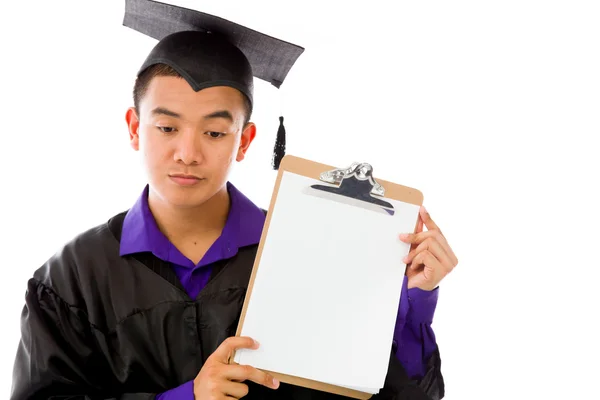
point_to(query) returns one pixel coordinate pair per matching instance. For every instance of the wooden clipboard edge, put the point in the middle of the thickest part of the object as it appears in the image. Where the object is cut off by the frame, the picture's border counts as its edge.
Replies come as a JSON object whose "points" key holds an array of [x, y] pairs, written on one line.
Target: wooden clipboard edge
{"points": [[325, 387], [313, 169]]}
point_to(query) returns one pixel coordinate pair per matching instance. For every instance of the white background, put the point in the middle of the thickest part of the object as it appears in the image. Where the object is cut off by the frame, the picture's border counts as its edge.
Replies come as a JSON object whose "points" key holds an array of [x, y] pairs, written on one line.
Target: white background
{"points": [[490, 108]]}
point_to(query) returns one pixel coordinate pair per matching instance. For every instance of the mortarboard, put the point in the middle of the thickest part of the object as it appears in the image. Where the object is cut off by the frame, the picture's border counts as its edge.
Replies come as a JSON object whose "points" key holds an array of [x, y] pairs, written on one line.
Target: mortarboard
{"points": [[210, 51]]}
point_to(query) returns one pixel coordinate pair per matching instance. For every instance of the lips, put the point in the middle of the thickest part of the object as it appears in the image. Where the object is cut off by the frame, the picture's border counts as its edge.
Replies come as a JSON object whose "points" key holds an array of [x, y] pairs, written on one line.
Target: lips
{"points": [[185, 180], [185, 176]]}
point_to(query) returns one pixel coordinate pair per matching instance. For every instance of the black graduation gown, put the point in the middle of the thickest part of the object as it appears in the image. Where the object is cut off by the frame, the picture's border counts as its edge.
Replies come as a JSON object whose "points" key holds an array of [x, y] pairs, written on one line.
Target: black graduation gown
{"points": [[100, 326]]}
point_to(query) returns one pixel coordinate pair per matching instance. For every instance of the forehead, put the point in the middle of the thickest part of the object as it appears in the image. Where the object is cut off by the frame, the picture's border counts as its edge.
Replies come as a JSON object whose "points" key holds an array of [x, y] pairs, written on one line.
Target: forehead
{"points": [[175, 92]]}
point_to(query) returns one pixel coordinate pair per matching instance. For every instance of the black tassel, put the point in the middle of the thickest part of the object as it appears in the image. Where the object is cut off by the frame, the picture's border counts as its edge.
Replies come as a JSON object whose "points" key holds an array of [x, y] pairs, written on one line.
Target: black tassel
{"points": [[279, 150]]}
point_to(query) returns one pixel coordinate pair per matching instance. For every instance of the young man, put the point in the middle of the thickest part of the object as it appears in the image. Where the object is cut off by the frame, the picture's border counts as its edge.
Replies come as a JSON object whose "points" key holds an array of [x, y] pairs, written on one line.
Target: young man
{"points": [[146, 305]]}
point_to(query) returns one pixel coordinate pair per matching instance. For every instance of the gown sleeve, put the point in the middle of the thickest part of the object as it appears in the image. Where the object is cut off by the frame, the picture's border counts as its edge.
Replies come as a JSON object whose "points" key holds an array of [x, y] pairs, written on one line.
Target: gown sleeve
{"points": [[415, 344], [56, 358]]}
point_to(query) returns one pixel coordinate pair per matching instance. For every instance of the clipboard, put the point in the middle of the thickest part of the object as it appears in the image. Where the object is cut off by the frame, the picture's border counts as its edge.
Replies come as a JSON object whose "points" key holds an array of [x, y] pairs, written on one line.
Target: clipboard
{"points": [[355, 190]]}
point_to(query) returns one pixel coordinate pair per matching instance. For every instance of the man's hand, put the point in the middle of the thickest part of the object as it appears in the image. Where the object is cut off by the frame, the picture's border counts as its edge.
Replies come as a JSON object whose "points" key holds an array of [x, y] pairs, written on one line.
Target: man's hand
{"points": [[220, 380], [430, 258]]}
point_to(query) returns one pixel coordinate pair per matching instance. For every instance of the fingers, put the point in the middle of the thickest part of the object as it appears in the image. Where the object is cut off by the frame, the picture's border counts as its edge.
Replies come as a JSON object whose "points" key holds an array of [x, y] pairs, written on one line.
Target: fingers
{"points": [[229, 345], [429, 260], [419, 236], [235, 390], [426, 217], [436, 249], [426, 279], [219, 379], [451, 255], [246, 372], [430, 274]]}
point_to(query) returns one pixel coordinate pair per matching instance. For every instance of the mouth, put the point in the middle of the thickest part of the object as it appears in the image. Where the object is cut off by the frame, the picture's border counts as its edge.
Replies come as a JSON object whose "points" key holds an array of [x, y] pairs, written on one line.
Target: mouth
{"points": [[185, 180]]}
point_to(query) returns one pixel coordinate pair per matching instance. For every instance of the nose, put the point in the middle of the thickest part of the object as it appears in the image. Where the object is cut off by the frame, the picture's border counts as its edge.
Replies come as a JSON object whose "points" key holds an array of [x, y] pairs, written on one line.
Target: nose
{"points": [[188, 149]]}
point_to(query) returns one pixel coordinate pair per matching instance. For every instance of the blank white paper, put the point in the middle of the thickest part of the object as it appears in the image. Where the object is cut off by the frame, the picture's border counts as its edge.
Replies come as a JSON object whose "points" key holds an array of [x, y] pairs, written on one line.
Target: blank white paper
{"points": [[327, 289]]}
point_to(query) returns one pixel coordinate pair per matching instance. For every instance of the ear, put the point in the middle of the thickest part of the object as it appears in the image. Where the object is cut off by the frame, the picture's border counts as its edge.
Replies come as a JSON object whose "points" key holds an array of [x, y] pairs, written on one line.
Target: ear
{"points": [[133, 123], [248, 135]]}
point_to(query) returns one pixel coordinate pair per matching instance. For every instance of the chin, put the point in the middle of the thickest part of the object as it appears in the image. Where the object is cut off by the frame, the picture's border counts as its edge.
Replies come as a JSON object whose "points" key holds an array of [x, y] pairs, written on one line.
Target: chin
{"points": [[187, 197]]}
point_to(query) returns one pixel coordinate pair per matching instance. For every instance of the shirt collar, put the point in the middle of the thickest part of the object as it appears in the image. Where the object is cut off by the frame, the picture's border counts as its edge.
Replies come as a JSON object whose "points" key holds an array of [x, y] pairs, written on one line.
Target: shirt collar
{"points": [[244, 226]]}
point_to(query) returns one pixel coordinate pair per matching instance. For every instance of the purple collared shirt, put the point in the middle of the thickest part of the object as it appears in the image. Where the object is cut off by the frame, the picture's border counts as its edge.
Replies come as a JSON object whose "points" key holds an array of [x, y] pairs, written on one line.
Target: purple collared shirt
{"points": [[413, 334], [243, 228]]}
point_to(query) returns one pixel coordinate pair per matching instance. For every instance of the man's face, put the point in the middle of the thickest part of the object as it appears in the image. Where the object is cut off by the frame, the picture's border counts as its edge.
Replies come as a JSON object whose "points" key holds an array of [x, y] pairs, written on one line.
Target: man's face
{"points": [[189, 139]]}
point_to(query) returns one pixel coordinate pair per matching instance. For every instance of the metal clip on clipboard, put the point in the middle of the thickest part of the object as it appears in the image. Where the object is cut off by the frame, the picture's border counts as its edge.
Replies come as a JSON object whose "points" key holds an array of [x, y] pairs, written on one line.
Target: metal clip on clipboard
{"points": [[357, 183]]}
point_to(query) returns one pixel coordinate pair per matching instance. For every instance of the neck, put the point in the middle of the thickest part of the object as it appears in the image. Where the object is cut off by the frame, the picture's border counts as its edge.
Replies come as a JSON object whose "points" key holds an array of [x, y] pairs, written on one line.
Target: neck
{"points": [[192, 223]]}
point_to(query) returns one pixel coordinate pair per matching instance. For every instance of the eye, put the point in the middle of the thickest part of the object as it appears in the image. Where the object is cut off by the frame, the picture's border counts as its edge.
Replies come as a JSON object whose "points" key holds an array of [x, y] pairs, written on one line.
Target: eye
{"points": [[215, 135], [166, 129]]}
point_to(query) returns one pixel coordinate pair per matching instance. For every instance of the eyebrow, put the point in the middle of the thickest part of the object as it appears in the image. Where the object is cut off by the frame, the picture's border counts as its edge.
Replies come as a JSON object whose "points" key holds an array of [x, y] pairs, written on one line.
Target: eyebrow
{"points": [[220, 114], [164, 111], [214, 115]]}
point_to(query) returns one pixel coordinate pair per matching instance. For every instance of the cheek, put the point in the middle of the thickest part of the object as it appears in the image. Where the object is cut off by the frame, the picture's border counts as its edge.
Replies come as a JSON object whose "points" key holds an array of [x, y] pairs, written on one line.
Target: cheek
{"points": [[229, 152], [145, 146], [223, 159], [152, 149], [235, 150]]}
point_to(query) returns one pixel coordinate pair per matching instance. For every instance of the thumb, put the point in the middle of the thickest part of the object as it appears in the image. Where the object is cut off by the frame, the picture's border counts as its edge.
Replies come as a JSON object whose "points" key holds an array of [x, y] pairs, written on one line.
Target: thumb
{"points": [[418, 229], [419, 224], [224, 352]]}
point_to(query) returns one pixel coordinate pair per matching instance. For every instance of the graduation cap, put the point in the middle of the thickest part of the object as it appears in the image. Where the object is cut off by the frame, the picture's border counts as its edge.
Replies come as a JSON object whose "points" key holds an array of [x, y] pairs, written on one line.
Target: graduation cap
{"points": [[210, 51]]}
